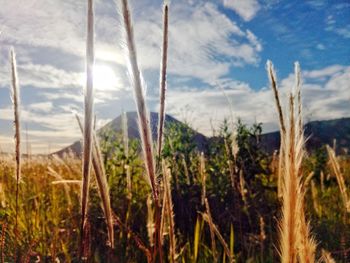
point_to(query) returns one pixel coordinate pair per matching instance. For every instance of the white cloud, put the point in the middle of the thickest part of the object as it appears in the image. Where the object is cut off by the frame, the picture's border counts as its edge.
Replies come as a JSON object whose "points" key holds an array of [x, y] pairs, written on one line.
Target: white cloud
{"points": [[328, 99], [45, 107], [203, 42], [247, 9]]}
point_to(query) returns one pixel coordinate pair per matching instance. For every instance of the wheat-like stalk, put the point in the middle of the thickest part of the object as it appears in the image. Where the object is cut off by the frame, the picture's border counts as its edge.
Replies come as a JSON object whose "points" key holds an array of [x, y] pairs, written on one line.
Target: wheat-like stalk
{"points": [[163, 74], [297, 73], [88, 120], [327, 257], [101, 179], [16, 104], [295, 239], [273, 80], [207, 217], [143, 117], [340, 179], [138, 84]]}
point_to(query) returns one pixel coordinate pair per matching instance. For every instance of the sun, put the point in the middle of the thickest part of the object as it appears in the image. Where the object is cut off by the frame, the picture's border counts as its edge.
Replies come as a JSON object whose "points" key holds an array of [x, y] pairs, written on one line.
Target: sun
{"points": [[104, 78]]}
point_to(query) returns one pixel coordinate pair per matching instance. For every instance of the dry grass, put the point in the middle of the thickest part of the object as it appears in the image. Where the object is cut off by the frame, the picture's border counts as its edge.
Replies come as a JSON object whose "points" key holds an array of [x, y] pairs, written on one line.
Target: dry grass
{"points": [[295, 240], [101, 179], [273, 80], [340, 179], [163, 74], [16, 105], [88, 120]]}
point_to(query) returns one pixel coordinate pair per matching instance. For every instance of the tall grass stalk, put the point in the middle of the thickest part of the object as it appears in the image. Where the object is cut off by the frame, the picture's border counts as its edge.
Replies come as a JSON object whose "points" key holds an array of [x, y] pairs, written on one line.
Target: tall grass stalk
{"points": [[326, 257], [143, 117], [163, 74], [340, 179], [102, 184], [88, 119], [169, 212], [296, 242], [207, 217], [16, 105], [273, 80]]}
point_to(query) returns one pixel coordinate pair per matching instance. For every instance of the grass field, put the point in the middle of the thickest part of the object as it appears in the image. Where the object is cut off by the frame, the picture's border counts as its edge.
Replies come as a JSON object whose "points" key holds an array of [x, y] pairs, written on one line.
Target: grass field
{"points": [[141, 200]]}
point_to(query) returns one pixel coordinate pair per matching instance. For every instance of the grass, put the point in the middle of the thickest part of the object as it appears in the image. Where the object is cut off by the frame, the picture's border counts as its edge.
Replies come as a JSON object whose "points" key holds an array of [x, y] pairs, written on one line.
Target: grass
{"points": [[135, 209]]}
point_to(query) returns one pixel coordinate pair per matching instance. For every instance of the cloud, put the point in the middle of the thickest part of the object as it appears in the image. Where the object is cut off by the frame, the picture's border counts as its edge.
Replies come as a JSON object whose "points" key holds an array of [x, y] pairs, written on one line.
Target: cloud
{"points": [[327, 99], [247, 9], [203, 42]]}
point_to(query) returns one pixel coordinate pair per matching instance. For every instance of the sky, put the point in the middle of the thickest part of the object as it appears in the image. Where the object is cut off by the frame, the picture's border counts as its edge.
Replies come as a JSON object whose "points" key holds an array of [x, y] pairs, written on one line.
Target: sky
{"points": [[216, 69]]}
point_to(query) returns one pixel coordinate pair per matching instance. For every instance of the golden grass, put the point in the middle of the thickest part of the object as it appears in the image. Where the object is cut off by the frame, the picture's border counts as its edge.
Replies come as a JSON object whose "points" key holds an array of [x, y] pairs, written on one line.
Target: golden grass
{"points": [[296, 242], [340, 179]]}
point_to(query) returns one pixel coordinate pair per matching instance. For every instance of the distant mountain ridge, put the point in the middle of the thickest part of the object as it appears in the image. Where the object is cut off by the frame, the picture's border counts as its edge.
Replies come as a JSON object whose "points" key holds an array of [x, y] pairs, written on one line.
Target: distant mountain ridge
{"points": [[133, 131], [317, 133]]}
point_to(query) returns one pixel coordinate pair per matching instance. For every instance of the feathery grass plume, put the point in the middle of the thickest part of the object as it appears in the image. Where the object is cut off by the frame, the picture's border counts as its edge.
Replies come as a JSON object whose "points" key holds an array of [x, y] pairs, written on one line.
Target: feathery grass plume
{"points": [[143, 117], [306, 244], [163, 74], [298, 83], [290, 192], [273, 80], [139, 90], [308, 180], [16, 104], [326, 257], [207, 217], [88, 121], [101, 179], [295, 239], [340, 179], [169, 212]]}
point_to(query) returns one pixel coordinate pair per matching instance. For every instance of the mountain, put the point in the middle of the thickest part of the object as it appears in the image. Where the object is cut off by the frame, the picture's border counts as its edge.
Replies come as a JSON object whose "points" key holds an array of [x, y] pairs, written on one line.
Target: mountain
{"points": [[133, 131], [318, 133]]}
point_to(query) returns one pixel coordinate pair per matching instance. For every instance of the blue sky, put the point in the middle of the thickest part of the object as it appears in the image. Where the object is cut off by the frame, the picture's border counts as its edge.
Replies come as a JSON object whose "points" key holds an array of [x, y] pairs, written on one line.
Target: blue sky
{"points": [[217, 56]]}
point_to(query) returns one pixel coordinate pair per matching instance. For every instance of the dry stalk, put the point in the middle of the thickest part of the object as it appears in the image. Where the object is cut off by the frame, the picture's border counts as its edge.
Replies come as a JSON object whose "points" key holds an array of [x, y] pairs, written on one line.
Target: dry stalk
{"points": [[16, 104], [143, 117], [88, 121], [273, 81], [101, 179], [163, 74], [207, 217], [169, 212], [340, 179]]}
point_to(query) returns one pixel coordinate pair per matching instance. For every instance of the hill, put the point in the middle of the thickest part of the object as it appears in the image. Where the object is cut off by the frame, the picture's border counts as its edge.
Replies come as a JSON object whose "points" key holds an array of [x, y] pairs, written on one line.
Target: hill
{"points": [[116, 126], [318, 133]]}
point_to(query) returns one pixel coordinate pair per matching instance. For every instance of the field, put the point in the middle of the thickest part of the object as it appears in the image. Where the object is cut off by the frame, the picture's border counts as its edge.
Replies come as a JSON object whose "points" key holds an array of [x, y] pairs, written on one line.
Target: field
{"points": [[169, 200]]}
